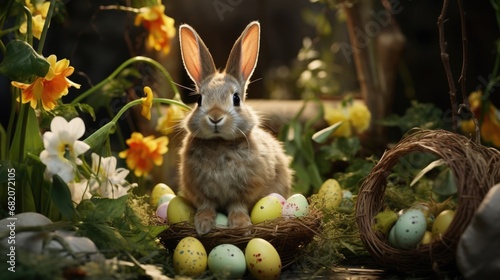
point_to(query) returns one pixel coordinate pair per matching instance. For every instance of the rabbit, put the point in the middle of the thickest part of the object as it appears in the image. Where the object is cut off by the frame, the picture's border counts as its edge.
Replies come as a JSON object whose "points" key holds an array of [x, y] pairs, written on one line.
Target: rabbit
{"points": [[227, 161]]}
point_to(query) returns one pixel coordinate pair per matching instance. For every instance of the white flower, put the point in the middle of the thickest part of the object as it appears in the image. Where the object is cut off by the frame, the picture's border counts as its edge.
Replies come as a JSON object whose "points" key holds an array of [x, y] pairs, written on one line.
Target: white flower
{"points": [[62, 147], [107, 180], [79, 191]]}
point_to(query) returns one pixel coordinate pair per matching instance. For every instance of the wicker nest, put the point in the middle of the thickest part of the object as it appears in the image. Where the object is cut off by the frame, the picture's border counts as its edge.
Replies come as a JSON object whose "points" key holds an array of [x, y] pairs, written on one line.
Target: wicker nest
{"points": [[287, 235], [476, 169]]}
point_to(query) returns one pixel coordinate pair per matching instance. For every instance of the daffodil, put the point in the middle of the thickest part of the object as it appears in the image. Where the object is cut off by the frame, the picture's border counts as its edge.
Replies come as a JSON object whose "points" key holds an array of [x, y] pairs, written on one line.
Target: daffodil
{"points": [[489, 119], [39, 14], [108, 181], [359, 116], [334, 115], [147, 103], [167, 122], [160, 27], [62, 147], [79, 191], [144, 152], [48, 89]]}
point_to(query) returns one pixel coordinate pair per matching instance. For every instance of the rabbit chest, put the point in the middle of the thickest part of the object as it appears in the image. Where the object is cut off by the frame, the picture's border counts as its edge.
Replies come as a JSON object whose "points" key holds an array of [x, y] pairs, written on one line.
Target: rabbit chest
{"points": [[228, 170]]}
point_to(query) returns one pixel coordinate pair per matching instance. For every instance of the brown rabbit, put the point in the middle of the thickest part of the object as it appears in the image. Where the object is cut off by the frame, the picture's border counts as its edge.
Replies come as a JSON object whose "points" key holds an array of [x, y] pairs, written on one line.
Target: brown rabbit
{"points": [[227, 161]]}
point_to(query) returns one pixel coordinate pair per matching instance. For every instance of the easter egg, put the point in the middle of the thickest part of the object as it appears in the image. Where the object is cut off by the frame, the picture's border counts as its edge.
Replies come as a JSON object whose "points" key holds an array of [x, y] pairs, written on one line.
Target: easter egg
{"points": [[330, 193], [263, 261], [266, 209], [221, 220], [280, 197], [165, 198], [296, 206], [190, 257], [158, 191], [161, 211], [427, 239], [180, 210], [227, 261], [410, 228], [442, 222]]}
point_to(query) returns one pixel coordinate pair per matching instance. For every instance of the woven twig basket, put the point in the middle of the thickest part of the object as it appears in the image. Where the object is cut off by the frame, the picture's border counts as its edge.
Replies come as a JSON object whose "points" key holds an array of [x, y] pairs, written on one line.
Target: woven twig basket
{"points": [[476, 169], [287, 235]]}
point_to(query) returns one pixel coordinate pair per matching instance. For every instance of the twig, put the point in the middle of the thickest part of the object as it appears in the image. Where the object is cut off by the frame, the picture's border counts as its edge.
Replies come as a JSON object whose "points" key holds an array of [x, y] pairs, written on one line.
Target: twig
{"points": [[462, 78], [446, 63]]}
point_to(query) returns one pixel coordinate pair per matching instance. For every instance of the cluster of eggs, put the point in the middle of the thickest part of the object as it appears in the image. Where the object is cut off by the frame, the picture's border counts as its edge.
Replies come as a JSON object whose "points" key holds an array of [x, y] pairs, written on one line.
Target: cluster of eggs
{"points": [[174, 209], [227, 261], [413, 227]]}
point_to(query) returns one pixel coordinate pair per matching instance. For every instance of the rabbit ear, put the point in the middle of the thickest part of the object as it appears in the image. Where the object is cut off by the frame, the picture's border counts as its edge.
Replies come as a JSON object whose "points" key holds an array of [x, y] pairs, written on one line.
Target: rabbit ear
{"points": [[243, 57], [195, 55]]}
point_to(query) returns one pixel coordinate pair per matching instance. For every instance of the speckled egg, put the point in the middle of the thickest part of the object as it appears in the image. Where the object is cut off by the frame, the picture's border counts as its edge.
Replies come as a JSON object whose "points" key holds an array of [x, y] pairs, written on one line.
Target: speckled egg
{"points": [[330, 193], [165, 198], [227, 261], [180, 210], [263, 261], [296, 206], [161, 211], [158, 191], [266, 209], [190, 257], [409, 229], [221, 220]]}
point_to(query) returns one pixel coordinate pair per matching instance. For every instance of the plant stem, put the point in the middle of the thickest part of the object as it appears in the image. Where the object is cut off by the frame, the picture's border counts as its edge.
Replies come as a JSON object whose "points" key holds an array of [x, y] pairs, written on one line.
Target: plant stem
{"points": [[46, 26], [29, 25], [121, 68], [446, 63]]}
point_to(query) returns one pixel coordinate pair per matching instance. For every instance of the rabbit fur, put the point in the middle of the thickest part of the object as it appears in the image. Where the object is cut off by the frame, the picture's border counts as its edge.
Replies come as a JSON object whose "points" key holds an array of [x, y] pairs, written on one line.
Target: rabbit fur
{"points": [[227, 161]]}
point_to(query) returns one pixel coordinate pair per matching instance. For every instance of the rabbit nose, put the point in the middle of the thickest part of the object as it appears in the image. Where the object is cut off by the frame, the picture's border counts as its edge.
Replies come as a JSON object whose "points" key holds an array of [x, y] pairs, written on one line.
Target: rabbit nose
{"points": [[216, 121]]}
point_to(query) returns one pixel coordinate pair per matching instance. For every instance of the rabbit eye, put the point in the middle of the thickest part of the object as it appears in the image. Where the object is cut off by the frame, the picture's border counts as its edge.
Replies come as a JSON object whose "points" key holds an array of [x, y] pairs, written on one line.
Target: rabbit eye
{"points": [[236, 99], [199, 100]]}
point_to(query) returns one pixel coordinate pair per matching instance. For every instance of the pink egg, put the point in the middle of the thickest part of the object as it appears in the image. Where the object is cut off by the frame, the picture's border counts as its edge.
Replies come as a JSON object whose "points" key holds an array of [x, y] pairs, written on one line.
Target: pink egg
{"points": [[161, 211], [280, 197]]}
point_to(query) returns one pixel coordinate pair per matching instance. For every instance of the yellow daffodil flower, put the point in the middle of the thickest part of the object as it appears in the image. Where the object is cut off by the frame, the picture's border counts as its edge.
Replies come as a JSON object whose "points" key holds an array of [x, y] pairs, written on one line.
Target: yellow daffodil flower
{"points": [[39, 14], [489, 123], [354, 116], [334, 115], [49, 88], [160, 27], [360, 116], [173, 115], [147, 103], [144, 152]]}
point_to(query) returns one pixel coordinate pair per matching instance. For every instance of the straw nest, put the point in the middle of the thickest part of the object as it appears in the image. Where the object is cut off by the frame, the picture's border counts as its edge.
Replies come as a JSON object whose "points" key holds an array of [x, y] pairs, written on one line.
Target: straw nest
{"points": [[287, 235], [476, 169]]}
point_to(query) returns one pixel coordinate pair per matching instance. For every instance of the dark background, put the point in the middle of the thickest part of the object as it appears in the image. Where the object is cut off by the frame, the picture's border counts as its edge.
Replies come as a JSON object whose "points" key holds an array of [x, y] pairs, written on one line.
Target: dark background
{"points": [[96, 42]]}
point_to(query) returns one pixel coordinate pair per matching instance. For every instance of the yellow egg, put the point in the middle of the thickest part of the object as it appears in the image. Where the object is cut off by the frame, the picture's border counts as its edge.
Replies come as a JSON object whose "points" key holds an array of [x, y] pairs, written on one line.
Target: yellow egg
{"points": [[330, 193], [263, 261], [266, 209], [158, 191], [190, 257], [180, 210], [427, 239], [442, 222]]}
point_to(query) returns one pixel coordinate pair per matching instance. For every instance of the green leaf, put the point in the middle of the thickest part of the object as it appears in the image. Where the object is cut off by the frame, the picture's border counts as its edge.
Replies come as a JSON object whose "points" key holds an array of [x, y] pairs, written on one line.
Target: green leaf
{"points": [[61, 196], [323, 135], [27, 135], [21, 62], [428, 168], [86, 108], [99, 137], [445, 183]]}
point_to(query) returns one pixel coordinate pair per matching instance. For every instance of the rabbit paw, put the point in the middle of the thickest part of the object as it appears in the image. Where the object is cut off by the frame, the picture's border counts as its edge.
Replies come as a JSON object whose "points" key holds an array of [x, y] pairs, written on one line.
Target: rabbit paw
{"points": [[238, 219], [204, 221]]}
